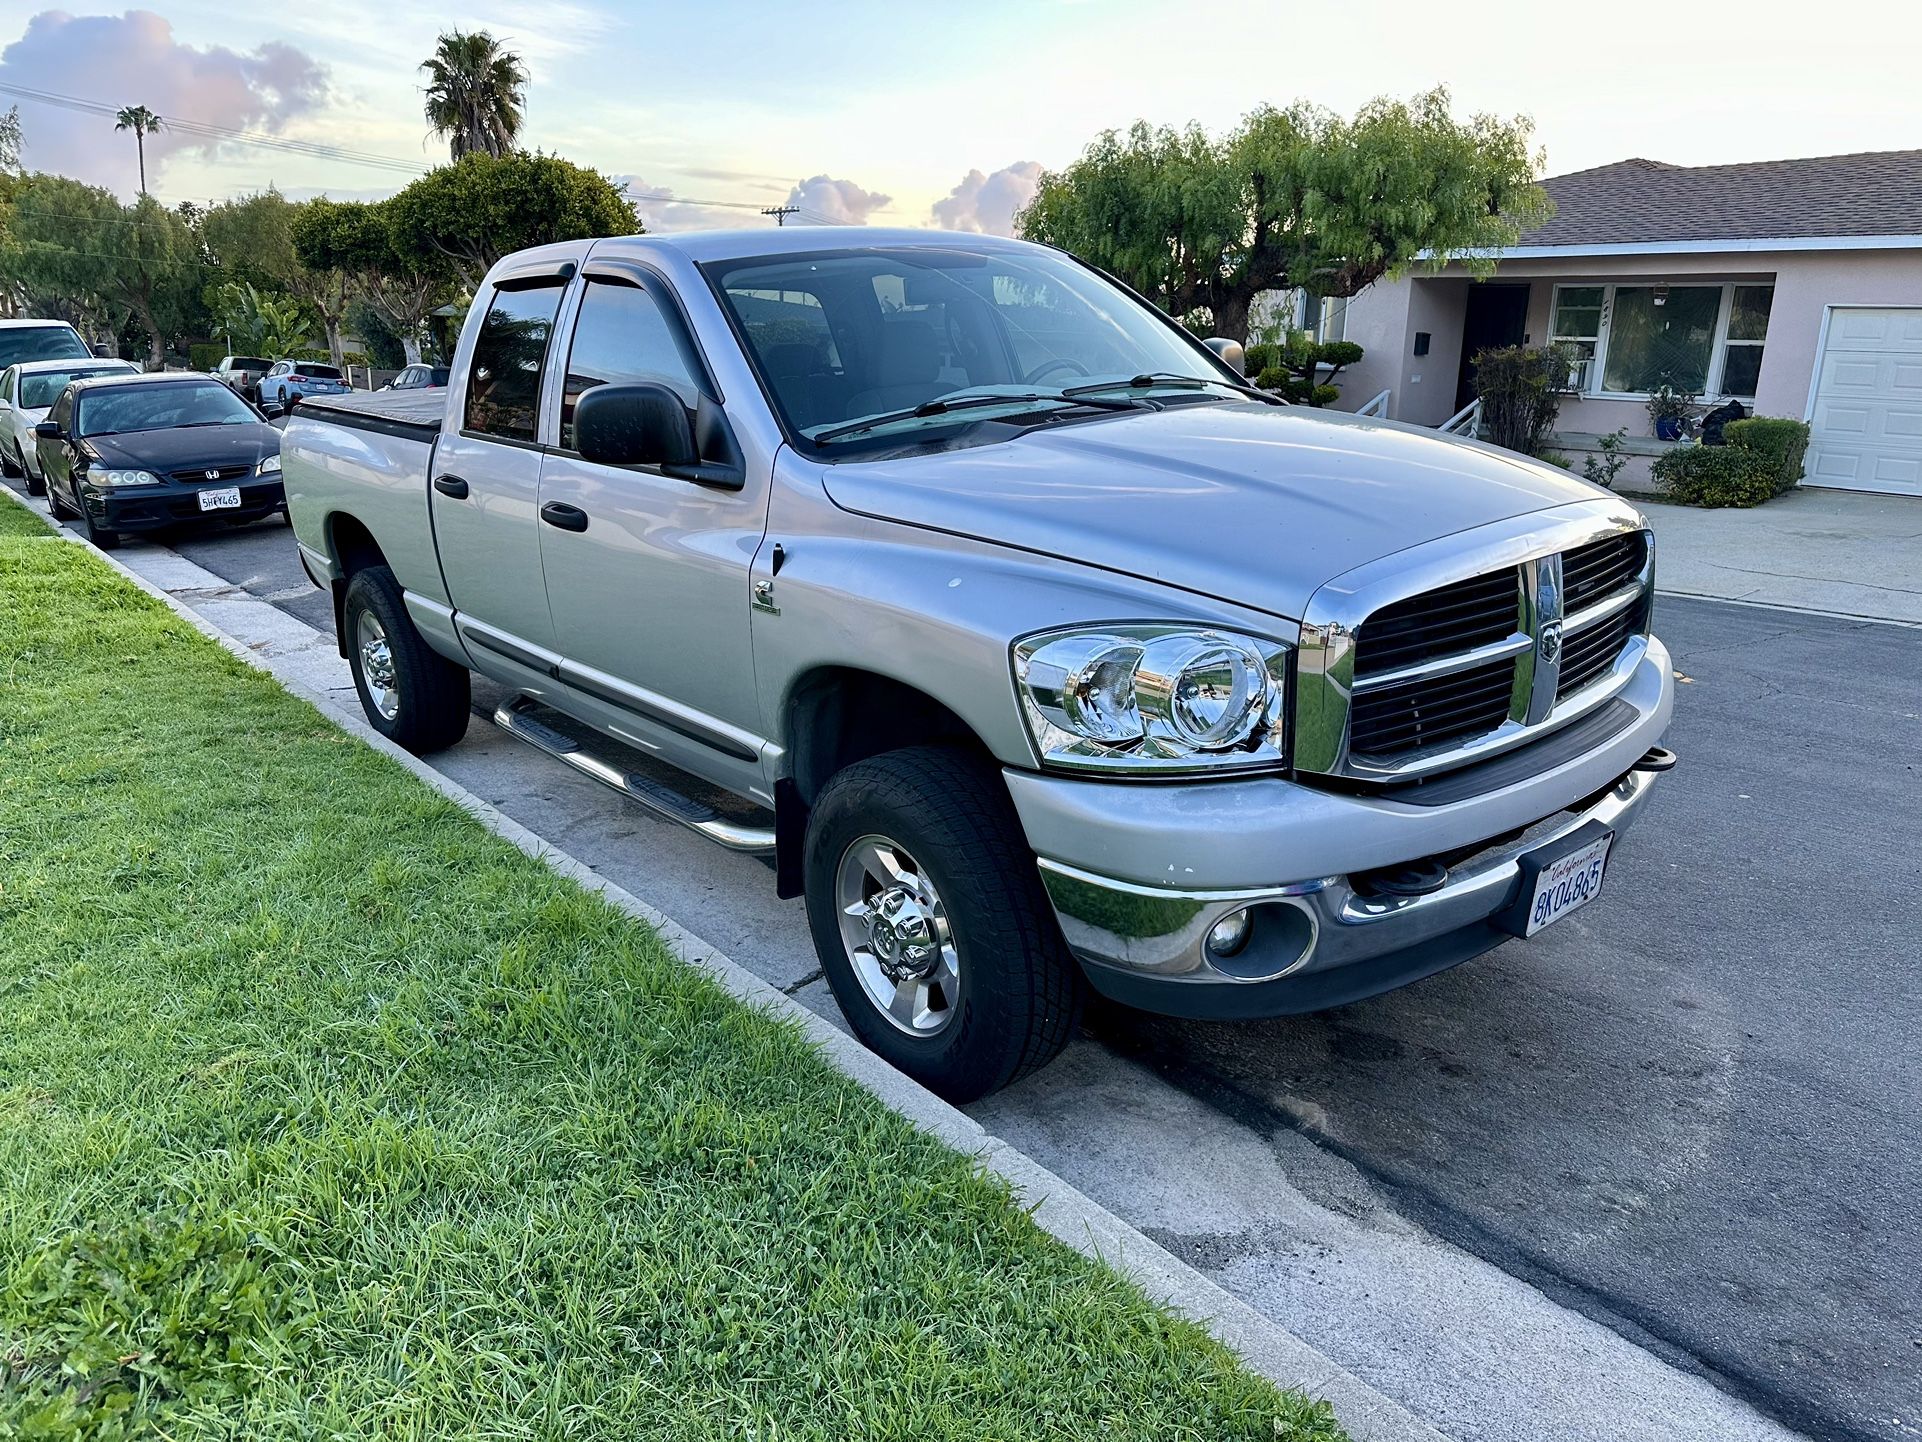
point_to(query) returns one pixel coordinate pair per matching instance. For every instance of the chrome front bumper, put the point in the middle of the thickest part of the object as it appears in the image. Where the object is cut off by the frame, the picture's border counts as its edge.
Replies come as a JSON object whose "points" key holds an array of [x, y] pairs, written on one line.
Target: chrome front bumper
{"points": [[1140, 927]]}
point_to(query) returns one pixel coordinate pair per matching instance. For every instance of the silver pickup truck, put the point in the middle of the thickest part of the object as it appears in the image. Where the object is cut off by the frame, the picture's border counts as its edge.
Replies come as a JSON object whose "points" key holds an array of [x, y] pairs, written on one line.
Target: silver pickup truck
{"points": [[1037, 649]]}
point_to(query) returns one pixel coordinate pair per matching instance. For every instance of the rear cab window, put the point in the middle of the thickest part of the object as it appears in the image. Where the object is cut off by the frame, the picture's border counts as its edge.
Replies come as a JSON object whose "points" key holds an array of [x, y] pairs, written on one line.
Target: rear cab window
{"points": [[504, 377]]}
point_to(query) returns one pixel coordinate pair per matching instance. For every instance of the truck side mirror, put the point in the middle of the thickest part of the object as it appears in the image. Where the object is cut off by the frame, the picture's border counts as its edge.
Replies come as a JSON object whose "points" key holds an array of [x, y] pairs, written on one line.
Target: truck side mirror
{"points": [[1230, 352], [48, 430], [644, 424]]}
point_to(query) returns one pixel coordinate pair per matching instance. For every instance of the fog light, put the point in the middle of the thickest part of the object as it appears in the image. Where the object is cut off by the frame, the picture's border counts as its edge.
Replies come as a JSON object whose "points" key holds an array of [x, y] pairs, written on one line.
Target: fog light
{"points": [[1230, 934]]}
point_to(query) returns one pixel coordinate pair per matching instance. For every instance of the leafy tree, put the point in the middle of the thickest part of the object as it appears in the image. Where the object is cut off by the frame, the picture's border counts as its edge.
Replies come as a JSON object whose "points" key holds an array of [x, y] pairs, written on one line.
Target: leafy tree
{"points": [[252, 239], [259, 324], [1291, 197], [1301, 368], [357, 240], [142, 122], [469, 214], [129, 263], [475, 92]]}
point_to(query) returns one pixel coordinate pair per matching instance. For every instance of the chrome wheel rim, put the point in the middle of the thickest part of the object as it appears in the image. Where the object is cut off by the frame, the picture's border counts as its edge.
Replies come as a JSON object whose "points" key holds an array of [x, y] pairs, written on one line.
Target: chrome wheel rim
{"points": [[377, 665], [897, 936]]}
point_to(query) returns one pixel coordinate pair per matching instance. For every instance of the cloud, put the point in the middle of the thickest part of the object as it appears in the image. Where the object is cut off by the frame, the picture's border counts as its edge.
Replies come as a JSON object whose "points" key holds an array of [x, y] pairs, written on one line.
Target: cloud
{"points": [[661, 210], [989, 203], [134, 59], [839, 202]]}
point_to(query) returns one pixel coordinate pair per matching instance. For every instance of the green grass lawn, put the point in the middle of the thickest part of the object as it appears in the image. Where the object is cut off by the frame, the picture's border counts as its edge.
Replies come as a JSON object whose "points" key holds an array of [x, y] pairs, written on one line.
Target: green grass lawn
{"points": [[325, 1113]]}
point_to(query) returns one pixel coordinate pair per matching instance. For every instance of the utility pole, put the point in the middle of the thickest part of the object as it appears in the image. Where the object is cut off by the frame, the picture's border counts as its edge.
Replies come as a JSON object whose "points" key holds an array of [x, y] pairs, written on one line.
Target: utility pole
{"points": [[781, 213]]}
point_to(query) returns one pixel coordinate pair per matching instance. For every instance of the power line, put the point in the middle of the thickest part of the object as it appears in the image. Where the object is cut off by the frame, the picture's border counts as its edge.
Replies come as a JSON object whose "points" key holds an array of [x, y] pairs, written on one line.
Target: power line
{"points": [[781, 213]]}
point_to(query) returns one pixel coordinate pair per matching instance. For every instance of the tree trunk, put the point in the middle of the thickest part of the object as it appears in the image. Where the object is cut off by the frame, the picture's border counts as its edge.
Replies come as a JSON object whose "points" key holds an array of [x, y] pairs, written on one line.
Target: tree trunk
{"points": [[156, 344], [410, 348], [1231, 315], [334, 351]]}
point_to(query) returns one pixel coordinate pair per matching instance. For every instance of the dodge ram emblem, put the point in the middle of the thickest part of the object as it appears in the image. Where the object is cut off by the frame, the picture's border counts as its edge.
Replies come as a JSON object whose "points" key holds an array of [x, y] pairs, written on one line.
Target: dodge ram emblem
{"points": [[1551, 642]]}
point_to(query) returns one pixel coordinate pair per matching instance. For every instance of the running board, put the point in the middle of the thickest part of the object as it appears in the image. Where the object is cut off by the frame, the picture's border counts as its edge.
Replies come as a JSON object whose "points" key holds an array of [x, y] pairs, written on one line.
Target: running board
{"points": [[515, 717]]}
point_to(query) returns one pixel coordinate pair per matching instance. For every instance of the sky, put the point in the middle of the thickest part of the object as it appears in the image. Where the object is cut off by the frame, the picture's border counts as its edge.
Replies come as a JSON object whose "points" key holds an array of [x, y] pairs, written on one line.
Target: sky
{"points": [[893, 112]]}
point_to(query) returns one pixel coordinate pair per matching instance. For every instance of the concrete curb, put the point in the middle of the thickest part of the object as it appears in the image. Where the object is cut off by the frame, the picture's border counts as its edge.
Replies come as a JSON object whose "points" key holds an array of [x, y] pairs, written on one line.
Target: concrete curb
{"points": [[1059, 1208]]}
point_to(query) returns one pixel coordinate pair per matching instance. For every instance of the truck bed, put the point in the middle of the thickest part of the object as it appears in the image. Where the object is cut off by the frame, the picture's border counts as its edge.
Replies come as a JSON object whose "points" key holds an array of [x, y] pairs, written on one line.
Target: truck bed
{"points": [[412, 415]]}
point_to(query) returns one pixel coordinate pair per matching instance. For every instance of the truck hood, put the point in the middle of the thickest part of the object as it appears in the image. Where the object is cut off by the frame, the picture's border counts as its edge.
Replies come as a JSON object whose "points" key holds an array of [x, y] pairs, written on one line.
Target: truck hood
{"points": [[1252, 504]]}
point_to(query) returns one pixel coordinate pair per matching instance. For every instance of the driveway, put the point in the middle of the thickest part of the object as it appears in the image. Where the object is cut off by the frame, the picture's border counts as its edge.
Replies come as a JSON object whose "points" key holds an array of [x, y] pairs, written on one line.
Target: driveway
{"points": [[1561, 1190], [1844, 553]]}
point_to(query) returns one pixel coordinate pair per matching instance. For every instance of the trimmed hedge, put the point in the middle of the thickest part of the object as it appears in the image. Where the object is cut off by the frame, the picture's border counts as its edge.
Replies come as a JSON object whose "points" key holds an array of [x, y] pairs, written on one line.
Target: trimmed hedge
{"points": [[1715, 476], [1782, 443], [204, 355]]}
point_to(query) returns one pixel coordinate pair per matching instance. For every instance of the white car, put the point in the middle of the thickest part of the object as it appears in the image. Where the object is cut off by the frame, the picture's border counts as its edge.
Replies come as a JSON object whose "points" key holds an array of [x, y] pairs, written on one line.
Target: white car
{"points": [[27, 392]]}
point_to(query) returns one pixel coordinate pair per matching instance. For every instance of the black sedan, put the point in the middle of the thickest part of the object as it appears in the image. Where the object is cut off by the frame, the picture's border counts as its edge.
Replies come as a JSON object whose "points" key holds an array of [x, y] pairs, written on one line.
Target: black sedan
{"points": [[141, 452]]}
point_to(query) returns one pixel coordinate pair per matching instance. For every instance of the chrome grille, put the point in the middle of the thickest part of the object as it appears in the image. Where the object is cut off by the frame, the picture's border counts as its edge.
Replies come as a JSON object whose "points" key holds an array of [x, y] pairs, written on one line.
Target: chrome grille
{"points": [[1391, 686], [1416, 714], [1589, 652], [1442, 622], [1591, 572]]}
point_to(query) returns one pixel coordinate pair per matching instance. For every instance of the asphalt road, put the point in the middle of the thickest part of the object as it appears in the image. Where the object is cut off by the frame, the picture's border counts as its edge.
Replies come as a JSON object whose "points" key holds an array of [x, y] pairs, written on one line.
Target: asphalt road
{"points": [[1692, 1113]]}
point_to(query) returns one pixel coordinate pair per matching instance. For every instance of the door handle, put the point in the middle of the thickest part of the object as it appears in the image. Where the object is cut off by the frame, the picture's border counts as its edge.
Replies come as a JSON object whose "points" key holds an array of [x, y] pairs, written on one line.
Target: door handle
{"points": [[451, 486], [568, 518]]}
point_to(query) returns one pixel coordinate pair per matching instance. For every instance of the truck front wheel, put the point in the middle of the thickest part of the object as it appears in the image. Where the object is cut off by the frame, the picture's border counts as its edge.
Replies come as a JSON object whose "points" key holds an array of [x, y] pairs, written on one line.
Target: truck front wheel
{"points": [[932, 924], [412, 695]]}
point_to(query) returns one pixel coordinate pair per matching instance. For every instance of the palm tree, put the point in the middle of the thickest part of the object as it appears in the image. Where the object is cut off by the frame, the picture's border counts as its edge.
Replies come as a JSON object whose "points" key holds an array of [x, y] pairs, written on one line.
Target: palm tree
{"points": [[142, 122], [475, 93]]}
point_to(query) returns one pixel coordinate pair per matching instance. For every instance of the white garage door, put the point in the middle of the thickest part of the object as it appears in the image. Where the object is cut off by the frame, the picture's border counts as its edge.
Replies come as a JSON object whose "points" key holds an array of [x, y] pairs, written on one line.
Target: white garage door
{"points": [[1868, 402]]}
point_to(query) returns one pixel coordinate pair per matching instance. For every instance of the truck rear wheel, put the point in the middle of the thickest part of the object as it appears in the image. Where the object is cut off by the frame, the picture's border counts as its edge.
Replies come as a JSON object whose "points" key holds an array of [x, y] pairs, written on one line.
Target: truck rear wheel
{"points": [[932, 925], [411, 694]]}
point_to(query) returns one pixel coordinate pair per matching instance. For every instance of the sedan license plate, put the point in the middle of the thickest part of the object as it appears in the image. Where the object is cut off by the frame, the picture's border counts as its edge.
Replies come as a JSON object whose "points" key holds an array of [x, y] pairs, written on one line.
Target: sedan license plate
{"points": [[220, 498], [1558, 879]]}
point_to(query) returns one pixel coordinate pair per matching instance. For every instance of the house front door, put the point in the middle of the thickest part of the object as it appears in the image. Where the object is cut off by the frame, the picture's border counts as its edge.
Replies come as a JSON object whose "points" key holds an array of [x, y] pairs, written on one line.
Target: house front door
{"points": [[1497, 315]]}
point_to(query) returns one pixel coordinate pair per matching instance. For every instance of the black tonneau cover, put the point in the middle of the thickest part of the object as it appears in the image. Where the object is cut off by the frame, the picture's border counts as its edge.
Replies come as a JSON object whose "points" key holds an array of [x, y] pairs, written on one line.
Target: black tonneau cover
{"points": [[414, 415]]}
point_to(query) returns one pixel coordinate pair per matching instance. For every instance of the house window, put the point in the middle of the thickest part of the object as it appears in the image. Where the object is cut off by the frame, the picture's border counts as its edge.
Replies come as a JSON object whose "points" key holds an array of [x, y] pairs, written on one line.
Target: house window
{"points": [[1748, 323], [1634, 338], [1577, 324]]}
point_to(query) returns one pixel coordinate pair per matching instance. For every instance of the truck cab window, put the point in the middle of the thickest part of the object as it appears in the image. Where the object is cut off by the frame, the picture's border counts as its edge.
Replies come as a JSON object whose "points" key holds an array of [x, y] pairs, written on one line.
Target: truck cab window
{"points": [[504, 384], [623, 337]]}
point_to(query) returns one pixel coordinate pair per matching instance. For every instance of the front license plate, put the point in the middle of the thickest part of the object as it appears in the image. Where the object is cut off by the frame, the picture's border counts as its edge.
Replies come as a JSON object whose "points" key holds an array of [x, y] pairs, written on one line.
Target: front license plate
{"points": [[222, 498], [1565, 881]]}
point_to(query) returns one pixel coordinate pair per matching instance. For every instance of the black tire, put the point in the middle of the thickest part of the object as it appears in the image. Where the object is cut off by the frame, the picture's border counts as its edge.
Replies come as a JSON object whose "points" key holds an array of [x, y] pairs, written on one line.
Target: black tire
{"points": [[56, 507], [9, 467], [430, 693], [98, 537], [1019, 989], [36, 485]]}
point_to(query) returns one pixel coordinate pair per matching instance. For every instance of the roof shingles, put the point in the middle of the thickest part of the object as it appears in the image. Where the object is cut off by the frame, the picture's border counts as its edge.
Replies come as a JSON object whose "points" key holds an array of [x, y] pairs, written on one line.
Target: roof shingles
{"points": [[1640, 201]]}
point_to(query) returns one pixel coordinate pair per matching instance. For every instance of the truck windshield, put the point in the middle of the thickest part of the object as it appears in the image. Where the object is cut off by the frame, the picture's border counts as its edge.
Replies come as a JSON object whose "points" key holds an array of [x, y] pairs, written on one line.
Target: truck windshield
{"points": [[864, 342], [40, 342]]}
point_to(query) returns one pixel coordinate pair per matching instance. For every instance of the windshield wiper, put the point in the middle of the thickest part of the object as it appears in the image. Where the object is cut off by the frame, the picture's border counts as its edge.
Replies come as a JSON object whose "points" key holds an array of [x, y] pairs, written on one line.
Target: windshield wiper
{"points": [[1169, 378], [964, 401]]}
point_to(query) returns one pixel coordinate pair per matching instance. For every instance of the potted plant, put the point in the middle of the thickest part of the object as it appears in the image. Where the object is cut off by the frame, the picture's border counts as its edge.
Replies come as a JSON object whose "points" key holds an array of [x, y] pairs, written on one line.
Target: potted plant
{"points": [[1671, 411]]}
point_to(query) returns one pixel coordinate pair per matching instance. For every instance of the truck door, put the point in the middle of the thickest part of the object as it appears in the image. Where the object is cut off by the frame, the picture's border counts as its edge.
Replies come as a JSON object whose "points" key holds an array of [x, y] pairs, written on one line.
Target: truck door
{"points": [[647, 575], [485, 488]]}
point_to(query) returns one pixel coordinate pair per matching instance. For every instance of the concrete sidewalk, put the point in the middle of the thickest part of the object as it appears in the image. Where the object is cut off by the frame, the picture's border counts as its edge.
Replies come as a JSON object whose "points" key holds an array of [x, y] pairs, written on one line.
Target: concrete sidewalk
{"points": [[1843, 553]]}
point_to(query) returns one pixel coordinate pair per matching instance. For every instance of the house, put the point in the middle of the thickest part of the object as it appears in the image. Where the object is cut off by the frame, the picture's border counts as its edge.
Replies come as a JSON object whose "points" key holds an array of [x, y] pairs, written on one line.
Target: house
{"points": [[1793, 286]]}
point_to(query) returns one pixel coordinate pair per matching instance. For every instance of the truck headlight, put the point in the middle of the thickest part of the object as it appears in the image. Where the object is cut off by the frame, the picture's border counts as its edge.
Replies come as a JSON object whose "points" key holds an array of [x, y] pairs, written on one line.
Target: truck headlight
{"points": [[1154, 698], [269, 465], [123, 478]]}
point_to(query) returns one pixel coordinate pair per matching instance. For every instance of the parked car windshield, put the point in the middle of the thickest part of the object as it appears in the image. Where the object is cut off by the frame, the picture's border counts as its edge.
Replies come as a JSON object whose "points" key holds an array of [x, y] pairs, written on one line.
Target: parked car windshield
{"points": [[40, 342], [118, 409], [328, 373], [247, 363], [39, 389], [843, 337]]}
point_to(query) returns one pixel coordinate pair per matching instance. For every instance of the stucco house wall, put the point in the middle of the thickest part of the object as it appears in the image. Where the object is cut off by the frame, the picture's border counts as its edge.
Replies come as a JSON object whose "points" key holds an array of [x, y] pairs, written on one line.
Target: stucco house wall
{"points": [[1385, 318]]}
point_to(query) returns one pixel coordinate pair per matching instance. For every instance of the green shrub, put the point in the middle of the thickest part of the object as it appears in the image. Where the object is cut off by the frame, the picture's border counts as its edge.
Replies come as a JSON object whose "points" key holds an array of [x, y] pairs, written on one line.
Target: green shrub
{"points": [[1293, 368], [204, 355], [1520, 389], [1716, 476], [1780, 444]]}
